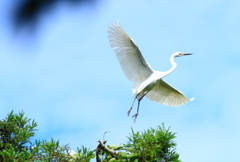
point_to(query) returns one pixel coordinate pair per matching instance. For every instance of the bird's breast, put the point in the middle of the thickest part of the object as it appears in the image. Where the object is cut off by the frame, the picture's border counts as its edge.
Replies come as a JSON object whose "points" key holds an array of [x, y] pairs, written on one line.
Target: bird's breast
{"points": [[146, 86]]}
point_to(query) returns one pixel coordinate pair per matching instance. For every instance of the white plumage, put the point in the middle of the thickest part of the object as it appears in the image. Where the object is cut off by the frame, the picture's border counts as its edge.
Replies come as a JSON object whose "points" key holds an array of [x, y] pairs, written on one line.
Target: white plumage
{"points": [[147, 82]]}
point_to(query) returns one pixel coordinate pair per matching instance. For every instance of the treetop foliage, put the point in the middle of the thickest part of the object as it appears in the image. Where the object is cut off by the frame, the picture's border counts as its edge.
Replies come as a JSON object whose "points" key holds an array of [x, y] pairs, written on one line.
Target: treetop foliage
{"points": [[17, 145]]}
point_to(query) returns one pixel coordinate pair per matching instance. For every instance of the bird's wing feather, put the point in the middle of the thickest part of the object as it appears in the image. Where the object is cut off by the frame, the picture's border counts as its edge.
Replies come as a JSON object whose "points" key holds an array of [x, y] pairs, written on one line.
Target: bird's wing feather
{"points": [[132, 61], [165, 94]]}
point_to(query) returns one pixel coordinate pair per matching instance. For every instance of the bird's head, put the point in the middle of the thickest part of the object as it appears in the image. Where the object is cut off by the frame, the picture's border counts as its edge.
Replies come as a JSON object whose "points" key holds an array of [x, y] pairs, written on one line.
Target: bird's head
{"points": [[178, 54]]}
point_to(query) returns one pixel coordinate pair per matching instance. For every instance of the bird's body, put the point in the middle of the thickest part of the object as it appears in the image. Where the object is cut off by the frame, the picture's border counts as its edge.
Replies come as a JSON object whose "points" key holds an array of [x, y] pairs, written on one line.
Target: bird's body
{"points": [[147, 82], [147, 85]]}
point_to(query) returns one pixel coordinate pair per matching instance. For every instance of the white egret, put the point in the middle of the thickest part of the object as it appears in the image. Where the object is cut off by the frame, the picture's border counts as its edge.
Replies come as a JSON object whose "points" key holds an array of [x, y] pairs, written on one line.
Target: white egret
{"points": [[148, 82]]}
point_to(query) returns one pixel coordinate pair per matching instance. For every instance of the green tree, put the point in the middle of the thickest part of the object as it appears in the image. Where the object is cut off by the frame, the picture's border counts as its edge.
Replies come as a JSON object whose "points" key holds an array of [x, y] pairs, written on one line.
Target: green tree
{"points": [[17, 132], [149, 146]]}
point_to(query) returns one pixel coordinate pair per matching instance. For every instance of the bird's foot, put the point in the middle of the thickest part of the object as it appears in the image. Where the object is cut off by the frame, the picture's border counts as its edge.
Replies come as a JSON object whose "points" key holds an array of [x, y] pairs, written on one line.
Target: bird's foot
{"points": [[135, 117], [129, 111]]}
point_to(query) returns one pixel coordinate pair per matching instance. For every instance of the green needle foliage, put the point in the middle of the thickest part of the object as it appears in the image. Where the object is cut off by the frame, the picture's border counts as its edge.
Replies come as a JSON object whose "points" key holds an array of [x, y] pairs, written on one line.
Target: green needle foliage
{"points": [[17, 132], [152, 145]]}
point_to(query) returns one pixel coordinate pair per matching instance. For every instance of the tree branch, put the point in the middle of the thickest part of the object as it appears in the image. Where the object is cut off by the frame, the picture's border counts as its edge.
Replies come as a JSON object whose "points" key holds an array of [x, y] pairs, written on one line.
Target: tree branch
{"points": [[103, 147]]}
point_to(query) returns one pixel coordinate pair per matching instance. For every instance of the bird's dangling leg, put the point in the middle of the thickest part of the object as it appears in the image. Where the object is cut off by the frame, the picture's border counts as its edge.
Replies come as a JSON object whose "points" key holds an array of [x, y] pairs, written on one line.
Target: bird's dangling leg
{"points": [[136, 115], [131, 106]]}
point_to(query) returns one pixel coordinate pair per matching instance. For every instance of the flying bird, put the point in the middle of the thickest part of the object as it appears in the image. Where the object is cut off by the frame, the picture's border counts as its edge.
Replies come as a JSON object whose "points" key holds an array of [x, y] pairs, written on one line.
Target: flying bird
{"points": [[147, 82]]}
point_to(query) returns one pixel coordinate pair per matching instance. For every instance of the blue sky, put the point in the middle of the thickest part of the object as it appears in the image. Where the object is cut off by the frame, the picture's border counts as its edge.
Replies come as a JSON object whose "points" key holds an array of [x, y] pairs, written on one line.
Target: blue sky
{"points": [[67, 78]]}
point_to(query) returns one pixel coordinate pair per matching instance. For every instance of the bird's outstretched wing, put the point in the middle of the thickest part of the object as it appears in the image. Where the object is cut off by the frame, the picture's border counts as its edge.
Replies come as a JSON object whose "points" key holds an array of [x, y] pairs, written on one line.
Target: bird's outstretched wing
{"points": [[165, 94], [132, 61]]}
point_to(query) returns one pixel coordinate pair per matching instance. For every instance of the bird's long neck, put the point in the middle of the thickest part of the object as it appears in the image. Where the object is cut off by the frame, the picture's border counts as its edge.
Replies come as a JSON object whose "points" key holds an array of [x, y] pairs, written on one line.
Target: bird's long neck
{"points": [[174, 65]]}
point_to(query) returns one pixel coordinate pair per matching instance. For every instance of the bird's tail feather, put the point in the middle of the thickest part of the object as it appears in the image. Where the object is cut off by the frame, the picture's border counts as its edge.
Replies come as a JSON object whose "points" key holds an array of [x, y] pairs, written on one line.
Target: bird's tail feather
{"points": [[135, 88]]}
